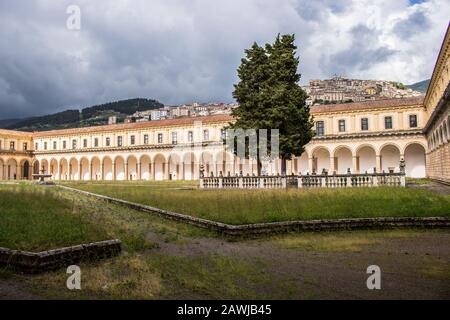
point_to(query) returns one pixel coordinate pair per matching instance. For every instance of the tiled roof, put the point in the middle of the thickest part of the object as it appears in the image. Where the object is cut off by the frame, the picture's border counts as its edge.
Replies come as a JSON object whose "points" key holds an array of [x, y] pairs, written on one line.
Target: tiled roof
{"points": [[136, 125], [374, 104], [15, 133]]}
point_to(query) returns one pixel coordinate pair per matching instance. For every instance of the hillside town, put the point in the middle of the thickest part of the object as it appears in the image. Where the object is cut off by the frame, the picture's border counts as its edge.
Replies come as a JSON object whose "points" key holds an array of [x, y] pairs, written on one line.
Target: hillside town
{"points": [[340, 89], [184, 110]]}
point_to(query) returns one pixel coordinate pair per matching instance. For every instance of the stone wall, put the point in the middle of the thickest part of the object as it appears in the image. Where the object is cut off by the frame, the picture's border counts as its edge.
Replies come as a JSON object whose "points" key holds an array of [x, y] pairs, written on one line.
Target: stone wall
{"points": [[438, 163], [30, 262]]}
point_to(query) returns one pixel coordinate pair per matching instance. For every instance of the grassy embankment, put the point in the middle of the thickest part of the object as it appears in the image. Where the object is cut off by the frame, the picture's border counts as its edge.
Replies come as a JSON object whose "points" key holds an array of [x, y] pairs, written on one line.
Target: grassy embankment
{"points": [[34, 219], [253, 206]]}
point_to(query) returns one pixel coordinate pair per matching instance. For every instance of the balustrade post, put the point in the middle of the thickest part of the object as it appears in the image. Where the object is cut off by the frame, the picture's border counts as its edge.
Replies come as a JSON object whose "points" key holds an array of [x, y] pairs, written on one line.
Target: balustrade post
{"points": [[299, 181], [284, 182]]}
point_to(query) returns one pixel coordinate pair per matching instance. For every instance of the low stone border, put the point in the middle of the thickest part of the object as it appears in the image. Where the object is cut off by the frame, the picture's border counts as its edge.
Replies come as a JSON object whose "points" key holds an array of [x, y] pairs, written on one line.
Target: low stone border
{"points": [[30, 262], [274, 227]]}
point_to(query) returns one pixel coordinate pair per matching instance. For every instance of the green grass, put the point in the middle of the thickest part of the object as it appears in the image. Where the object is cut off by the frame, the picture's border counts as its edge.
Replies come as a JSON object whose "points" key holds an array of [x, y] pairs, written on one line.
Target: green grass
{"points": [[253, 206], [34, 219]]}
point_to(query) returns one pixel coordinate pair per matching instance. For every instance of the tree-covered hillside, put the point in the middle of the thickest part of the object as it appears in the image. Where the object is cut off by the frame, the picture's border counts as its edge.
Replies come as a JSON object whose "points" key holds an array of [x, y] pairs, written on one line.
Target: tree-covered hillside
{"points": [[421, 86], [91, 116]]}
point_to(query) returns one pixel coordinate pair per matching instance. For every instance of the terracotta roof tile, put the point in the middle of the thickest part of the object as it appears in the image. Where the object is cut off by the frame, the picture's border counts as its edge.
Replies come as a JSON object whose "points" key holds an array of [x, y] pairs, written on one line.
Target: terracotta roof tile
{"points": [[135, 125], [15, 133], [374, 104]]}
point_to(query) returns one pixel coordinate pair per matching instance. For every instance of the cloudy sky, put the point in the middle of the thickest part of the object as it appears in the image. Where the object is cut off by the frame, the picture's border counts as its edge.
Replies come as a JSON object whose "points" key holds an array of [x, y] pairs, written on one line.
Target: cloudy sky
{"points": [[180, 51]]}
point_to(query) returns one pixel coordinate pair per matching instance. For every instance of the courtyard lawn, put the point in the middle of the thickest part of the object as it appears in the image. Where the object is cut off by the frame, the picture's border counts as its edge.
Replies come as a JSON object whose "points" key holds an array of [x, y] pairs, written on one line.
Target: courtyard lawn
{"points": [[34, 219], [253, 206]]}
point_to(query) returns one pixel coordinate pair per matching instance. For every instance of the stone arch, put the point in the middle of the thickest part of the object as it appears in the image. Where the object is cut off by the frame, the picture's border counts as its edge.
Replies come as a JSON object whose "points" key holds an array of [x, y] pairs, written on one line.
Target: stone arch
{"points": [[132, 166], [119, 165], [190, 164], [146, 167], [96, 165], [303, 164], [35, 167], [367, 158], [444, 126], [74, 169], [11, 169], [224, 162], [321, 159], [390, 157], [45, 166], [343, 160], [108, 173], [53, 169], [415, 162], [85, 168], [161, 169], [25, 168], [2, 169], [206, 159], [64, 169], [174, 163]]}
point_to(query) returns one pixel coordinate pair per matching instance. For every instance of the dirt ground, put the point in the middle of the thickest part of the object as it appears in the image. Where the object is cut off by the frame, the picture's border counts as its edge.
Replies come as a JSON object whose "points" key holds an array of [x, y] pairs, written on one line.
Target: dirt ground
{"points": [[414, 264]]}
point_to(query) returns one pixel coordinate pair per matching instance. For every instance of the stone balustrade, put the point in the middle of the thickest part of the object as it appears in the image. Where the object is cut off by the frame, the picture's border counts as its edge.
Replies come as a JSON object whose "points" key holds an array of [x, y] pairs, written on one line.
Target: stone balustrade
{"points": [[307, 181]]}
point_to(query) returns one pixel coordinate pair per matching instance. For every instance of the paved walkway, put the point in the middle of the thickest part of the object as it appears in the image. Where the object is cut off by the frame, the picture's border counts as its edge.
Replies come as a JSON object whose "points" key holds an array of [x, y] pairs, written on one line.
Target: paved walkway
{"points": [[432, 186]]}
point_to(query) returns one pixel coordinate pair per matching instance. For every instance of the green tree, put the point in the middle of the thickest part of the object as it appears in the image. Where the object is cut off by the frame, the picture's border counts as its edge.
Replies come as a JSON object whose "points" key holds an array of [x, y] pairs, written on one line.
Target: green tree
{"points": [[270, 97]]}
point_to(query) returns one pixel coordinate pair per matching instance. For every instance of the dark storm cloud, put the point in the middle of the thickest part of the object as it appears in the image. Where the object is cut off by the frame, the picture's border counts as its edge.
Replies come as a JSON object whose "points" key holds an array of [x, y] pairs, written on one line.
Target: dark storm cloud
{"points": [[414, 23], [360, 55], [175, 51]]}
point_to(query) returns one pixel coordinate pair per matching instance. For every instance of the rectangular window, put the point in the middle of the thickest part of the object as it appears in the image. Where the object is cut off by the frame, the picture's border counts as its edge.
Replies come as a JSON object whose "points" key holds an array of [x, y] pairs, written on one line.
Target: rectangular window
{"points": [[64, 144], [145, 138], [160, 138], [74, 144], [45, 145], [25, 146], [413, 121], [388, 122], [320, 128], [108, 142], [54, 145], [364, 124], [85, 143], [223, 134], [190, 136], [36, 146], [341, 125], [96, 142], [132, 140], [174, 138], [206, 135], [119, 141]]}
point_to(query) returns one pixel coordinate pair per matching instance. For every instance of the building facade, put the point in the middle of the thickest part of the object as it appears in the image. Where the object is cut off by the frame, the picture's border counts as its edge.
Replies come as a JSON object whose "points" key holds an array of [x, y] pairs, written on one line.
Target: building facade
{"points": [[359, 137]]}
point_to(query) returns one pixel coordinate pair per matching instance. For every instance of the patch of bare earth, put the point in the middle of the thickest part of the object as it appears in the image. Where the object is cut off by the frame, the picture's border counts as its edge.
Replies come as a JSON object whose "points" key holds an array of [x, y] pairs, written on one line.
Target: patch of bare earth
{"points": [[414, 264]]}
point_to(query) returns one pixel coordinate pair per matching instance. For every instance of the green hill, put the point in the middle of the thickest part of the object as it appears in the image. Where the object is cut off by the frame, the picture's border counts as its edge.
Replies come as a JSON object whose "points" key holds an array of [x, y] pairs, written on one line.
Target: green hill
{"points": [[91, 116], [421, 86]]}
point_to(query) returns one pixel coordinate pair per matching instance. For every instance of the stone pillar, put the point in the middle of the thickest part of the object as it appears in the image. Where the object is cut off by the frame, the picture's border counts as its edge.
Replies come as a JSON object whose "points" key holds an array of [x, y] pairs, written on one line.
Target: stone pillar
{"points": [[166, 171], [378, 163], [127, 177], [90, 170], [80, 172], [182, 169], [310, 165], [102, 171], [113, 165], [152, 171], [139, 170], [355, 168], [70, 172], [18, 171], [332, 165]]}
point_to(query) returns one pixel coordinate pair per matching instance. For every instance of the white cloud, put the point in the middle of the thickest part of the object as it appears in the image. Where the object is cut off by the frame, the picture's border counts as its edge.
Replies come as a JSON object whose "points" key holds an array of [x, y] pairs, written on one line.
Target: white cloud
{"points": [[179, 51]]}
